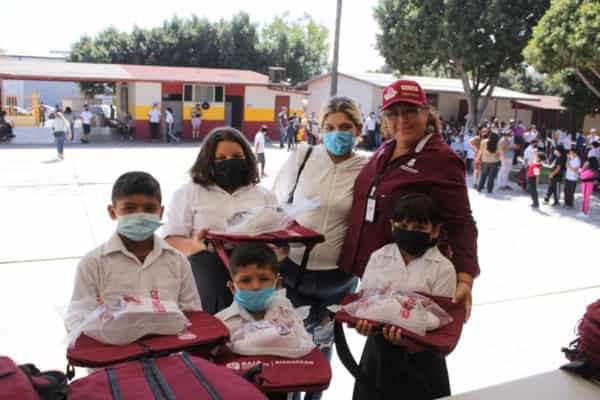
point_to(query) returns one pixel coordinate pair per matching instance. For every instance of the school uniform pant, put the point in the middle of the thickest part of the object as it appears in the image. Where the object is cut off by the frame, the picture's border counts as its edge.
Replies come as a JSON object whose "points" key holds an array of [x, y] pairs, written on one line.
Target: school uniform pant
{"points": [[489, 171], [394, 373], [154, 129], [570, 187], [211, 277], [503, 175], [282, 136], [532, 188], [317, 289], [554, 189], [586, 190]]}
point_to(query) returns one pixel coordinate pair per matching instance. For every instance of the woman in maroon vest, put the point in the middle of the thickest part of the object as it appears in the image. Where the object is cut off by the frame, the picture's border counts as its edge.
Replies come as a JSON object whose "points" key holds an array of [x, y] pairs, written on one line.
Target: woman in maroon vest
{"points": [[416, 160]]}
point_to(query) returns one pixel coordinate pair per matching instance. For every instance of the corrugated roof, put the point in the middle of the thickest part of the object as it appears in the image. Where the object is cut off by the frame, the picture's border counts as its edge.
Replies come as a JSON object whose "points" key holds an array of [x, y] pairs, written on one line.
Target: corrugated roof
{"points": [[42, 70], [429, 84], [544, 103]]}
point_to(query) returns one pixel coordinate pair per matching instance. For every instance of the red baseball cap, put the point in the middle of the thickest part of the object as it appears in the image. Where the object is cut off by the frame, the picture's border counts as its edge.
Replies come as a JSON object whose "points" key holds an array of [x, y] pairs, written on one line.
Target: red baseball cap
{"points": [[404, 91]]}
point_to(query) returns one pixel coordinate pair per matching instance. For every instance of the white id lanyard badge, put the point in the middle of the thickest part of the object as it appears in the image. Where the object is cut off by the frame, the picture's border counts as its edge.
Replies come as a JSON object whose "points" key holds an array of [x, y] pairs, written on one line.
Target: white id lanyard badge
{"points": [[371, 206]]}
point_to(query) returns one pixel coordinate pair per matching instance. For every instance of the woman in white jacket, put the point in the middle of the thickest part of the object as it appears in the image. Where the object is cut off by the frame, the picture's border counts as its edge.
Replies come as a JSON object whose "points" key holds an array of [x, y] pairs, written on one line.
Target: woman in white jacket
{"points": [[324, 174]]}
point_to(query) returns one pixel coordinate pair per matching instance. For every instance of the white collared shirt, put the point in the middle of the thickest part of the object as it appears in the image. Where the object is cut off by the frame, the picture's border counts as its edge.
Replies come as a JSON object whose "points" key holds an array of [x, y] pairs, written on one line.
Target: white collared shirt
{"points": [[154, 115], [371, 123], [332, 185], [86, 117], [529, 155], [573, 166], [111, 271], [235, 315], [195, 207], [259, 142], [432, 273]]}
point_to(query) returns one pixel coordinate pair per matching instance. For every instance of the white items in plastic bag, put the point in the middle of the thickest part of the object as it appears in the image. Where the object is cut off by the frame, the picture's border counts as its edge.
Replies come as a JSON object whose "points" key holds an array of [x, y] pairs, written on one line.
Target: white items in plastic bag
{"points": [[410, 311], [280, 333], [257, 221], [128, 319]]}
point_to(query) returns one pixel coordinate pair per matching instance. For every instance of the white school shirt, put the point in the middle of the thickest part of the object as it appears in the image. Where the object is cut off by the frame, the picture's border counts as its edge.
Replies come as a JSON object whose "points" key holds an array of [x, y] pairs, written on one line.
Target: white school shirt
{"points": [[59, 125], [332, 185], [574, 163], [154, 115], [529, 155], [259, 142], [432, 273], [169, 118], [371, 123], [235, 315], [111, 271], [86, 117], [195, 207]]}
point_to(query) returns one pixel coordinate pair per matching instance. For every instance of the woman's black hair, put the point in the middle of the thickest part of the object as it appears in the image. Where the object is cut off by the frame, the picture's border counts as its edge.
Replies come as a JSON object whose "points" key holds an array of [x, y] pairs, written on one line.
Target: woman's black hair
{"points": [[593, 164], [417, 207], [202, 170], [492, 143]]}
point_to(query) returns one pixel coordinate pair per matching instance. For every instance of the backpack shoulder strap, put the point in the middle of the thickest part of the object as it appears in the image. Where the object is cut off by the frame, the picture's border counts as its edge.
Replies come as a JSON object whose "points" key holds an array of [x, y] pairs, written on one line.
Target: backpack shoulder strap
{"points": [[200, 377], [306, 157]]}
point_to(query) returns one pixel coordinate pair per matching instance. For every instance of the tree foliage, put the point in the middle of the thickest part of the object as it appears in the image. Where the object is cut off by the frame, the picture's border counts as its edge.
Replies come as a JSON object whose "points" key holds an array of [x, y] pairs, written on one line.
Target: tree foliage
{"points": [[568, 37], [475, 40], [300, 45]]}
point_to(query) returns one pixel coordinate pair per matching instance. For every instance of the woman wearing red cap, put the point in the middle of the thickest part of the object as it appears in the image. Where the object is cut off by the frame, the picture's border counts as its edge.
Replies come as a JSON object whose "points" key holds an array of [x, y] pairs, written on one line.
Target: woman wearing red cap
{"points": [[416, 160]]}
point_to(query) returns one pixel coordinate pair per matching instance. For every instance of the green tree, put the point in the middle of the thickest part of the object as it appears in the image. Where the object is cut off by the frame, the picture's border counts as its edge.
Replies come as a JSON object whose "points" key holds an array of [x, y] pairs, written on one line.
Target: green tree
{"points": [[476, 40], [568, 36], [298, 45], [523, 79]]}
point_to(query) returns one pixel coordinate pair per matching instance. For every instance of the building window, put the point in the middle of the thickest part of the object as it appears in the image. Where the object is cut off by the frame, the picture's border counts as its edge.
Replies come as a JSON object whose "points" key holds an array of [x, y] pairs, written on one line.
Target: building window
{"points": [[203, 93]]}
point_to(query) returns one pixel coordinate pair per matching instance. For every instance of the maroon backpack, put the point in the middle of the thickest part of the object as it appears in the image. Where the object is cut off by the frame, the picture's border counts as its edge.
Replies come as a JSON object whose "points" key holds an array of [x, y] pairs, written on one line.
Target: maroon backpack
{"points": [[201, 337], [273, 374], [179, 376], [584, 352], [26, 382]]}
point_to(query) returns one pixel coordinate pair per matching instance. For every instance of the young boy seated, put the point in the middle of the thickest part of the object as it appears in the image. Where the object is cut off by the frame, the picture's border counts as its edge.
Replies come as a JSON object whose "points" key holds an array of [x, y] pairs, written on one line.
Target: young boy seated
{"points": [[134, 262], [261, 320], [412, 263]]}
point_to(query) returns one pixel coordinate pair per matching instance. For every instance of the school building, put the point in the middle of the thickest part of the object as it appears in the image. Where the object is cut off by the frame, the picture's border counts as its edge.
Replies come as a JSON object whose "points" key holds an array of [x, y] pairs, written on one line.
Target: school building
{"points": [[448, 97], [239, 98]]}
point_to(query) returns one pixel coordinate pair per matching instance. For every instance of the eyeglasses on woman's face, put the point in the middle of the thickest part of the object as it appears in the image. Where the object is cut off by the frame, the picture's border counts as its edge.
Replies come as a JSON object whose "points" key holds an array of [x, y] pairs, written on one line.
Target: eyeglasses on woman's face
{"points": [[407, 112]]}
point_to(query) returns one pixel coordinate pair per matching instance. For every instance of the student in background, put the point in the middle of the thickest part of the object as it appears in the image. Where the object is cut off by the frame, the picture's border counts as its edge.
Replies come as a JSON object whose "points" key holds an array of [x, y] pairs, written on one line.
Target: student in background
{"points": [[259, 149], [534, 171], [571, 177]]}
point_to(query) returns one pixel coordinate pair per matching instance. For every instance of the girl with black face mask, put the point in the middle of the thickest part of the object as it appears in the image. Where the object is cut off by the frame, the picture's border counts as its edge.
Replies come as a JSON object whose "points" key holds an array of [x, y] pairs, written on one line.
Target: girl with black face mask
{"points": [[412, 263], [224, 182]]}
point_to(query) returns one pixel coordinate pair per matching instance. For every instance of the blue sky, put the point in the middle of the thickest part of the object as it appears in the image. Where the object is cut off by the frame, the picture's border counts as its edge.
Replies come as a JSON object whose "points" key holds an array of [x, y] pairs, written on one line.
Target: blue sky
{"points": [[35, 27]]}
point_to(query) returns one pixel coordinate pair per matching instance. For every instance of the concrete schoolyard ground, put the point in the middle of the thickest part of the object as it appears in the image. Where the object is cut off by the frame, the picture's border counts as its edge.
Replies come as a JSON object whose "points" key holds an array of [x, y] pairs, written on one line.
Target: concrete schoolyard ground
{"points": [[539, 268]]}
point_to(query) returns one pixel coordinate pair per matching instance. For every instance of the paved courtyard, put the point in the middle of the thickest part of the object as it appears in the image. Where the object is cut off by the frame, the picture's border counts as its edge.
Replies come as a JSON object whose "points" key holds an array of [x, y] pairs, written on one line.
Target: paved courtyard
{"points": [[539, 268]]}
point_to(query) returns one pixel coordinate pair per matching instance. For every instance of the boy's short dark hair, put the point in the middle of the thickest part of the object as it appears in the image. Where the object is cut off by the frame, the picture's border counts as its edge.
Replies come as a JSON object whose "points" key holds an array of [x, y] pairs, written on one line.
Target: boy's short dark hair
{"points": [[253, 253], [595, 144], [541, 156], [136, 182], [417, 207]]}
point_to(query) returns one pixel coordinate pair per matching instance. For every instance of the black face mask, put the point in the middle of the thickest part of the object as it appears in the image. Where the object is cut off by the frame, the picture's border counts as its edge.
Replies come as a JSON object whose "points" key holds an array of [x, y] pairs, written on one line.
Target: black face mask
{"points": [[414, 243], [231, 174]]}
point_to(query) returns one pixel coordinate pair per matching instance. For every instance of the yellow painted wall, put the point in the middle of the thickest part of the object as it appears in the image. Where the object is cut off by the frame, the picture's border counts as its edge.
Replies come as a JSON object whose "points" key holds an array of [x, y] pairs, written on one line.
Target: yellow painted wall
{"points": [[259, 114], [214, 113], [141, 111]]}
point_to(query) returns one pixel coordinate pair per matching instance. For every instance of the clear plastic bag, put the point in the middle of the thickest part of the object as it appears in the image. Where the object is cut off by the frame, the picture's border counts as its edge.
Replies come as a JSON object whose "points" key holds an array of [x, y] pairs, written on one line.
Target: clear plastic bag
{"points": [[407, 310], [281, 334], [124, 320], [257, 221]]}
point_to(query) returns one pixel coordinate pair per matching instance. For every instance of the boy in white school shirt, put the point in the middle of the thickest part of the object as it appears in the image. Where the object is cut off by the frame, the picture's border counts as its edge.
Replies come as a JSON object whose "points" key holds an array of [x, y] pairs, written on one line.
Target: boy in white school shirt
{"points": [[134, 261]]}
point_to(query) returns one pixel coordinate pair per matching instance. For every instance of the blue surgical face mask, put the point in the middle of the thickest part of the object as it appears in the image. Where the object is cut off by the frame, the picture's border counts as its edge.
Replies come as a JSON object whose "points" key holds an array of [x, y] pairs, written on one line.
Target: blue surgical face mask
{"points": [[138, 227], [339, 143], [254, 300]]}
